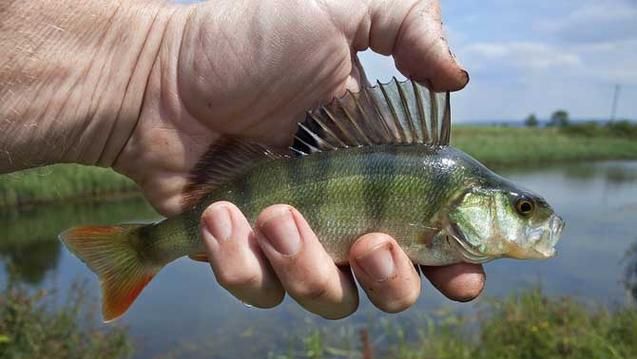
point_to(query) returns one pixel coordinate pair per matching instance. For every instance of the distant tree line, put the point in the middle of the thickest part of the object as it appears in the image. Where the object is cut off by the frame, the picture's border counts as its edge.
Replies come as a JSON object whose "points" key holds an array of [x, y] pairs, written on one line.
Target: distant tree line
{"points": [[560, 119]]}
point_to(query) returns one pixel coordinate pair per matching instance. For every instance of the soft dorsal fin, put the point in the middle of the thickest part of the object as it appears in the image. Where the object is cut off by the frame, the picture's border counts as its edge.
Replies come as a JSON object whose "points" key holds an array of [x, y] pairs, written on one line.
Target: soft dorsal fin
{"points": [[392, 113], [226, 159]]}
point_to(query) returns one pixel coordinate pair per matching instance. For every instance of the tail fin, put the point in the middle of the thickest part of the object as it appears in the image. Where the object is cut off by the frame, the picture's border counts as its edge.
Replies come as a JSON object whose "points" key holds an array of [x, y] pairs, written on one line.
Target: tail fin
{"points": [[109, 252]]}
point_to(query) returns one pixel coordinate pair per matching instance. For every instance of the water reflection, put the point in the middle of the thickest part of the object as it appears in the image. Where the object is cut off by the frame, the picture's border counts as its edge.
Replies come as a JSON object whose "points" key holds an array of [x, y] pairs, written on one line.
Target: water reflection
{"points": [[611, 172], [28, 240]]}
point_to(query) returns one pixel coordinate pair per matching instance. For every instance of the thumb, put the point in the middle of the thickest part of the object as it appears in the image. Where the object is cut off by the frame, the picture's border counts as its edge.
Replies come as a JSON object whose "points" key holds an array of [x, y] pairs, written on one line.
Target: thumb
{"points": [[412, 32]]}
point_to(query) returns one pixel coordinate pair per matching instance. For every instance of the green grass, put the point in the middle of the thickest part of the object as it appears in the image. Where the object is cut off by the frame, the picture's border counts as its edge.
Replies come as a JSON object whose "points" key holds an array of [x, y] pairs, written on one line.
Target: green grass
{"points": [[501, 146], [58, 182], [494, 146], [528, 325], [32, 327]]}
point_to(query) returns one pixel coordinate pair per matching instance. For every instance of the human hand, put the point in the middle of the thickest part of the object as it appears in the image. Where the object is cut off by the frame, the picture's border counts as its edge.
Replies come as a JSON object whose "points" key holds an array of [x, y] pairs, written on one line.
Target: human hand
{"points": [[252, 69], [147, 88]]}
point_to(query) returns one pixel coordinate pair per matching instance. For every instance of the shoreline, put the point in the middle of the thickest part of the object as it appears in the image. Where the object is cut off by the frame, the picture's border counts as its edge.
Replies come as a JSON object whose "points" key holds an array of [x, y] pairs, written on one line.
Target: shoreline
{"points": [[496, 147]]}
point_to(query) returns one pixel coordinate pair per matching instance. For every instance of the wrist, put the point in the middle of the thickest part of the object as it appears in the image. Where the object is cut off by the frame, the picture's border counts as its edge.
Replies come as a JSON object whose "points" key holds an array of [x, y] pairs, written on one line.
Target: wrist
{"points": [[75, 78]]}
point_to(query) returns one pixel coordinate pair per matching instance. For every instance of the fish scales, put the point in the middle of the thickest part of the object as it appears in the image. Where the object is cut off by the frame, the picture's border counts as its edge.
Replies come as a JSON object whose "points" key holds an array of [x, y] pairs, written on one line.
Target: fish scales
{"points": [[342, 194], [386, 188]]}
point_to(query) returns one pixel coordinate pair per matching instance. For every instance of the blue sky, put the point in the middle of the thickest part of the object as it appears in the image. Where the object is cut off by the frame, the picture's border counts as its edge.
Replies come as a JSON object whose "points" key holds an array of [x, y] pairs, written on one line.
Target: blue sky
{"points": [[538, 56]]}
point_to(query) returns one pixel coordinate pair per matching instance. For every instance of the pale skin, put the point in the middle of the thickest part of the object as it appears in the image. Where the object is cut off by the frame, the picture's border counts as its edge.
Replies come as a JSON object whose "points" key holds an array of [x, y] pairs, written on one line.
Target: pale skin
{"points": [[146, 87]]}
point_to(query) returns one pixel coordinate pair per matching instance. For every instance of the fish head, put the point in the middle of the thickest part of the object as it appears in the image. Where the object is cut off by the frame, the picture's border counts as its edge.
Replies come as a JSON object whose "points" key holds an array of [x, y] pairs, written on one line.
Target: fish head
{"points": [[489, 222]]}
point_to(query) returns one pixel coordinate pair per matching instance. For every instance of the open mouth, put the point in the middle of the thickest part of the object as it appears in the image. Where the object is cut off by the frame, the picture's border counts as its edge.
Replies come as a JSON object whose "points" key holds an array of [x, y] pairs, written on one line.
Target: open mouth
{"points": [[468, 252], [545, 246]]}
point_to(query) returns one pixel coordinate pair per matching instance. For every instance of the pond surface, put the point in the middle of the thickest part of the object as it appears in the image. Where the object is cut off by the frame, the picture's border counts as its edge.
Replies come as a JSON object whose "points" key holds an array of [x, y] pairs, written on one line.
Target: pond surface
{"points": [[183, 312]]}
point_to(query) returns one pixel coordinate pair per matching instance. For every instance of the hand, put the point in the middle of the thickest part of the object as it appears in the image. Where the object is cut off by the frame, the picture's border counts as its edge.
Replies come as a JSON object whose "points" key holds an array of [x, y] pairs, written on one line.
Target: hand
{"points": [[146, 88], [283, 255]]}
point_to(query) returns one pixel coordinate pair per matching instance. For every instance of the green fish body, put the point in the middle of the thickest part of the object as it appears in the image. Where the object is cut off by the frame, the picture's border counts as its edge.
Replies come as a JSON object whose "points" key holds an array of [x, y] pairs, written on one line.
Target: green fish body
{"points": [[395, 189], [378, 161]]}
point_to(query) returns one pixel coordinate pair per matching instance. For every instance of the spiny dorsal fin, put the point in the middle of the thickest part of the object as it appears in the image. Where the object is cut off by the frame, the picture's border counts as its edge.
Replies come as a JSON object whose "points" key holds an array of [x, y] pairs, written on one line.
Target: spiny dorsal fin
{"points": [[226, 159], [392, 113]]}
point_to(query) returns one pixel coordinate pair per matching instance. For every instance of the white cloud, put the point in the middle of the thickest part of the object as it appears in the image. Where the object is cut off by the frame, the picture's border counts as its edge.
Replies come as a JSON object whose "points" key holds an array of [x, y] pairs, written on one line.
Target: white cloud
{"points": [[599, 21], [524, 55]]}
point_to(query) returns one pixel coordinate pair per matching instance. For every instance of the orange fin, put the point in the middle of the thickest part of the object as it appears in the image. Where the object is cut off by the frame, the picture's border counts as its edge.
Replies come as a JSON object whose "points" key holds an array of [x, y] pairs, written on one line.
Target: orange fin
{"points": [[108, 251], [200, 257]]}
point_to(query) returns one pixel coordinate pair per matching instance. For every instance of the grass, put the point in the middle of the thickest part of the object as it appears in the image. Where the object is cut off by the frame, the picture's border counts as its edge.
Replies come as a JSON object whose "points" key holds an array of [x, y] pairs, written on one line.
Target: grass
{"points": [[31, 327], [57, 182], [528, 325], [505, 147], [495, 146]]}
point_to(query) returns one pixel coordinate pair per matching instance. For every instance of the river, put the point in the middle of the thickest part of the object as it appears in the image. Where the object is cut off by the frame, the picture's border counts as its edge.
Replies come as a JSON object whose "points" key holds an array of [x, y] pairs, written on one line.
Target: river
{"points": [[183, 312]]}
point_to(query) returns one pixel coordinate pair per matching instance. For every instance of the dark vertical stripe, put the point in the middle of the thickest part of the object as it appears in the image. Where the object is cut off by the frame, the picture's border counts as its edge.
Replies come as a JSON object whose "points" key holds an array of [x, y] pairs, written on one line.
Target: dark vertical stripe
{"points": [[191, 220], [294, 169], [313, 171], [321, 168], [379, 172], [439, 183], [244, 196]]}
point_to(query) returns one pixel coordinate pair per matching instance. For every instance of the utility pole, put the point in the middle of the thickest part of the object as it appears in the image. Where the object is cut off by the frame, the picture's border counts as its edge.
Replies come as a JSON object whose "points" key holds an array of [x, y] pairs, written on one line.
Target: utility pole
{"points": [[615, 101]]}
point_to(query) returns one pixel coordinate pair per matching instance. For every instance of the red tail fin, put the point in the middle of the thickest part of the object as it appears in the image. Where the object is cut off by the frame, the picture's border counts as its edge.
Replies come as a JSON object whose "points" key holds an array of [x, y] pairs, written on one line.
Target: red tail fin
{"points": [[109, 253]]}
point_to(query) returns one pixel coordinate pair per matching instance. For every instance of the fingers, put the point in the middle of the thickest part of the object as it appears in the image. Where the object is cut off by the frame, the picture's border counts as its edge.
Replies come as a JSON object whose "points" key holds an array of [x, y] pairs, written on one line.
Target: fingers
{"points": [[385, 272], [412, 32], [304, 268], [461, 282], [297, 263], [235, 257]]}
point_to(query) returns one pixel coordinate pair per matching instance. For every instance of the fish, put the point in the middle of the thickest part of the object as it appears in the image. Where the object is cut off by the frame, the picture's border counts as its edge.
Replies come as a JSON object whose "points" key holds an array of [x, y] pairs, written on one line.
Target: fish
{"points": [[378, 160]]}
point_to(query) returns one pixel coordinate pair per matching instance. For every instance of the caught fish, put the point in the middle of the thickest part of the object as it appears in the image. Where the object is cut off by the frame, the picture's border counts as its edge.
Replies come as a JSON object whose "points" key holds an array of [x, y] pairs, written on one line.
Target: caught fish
{"points": [[374, 161]]}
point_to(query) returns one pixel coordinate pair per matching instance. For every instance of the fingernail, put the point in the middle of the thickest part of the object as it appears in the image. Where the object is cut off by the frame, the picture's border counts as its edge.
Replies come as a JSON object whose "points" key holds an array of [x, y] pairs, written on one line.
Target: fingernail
{"points": [[281, 232], [378, 262], [465, 74], [217, 224]]}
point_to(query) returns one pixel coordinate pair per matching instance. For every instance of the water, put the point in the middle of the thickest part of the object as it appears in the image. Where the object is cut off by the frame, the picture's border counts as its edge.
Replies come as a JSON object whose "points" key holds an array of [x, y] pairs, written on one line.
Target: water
{"points": [[183, 312]]}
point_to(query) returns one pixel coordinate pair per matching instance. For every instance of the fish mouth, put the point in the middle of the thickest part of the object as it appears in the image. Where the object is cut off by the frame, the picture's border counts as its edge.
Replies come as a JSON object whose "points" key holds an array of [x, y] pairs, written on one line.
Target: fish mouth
{"points": [[541, 241], [469, 253], [545, 245]]}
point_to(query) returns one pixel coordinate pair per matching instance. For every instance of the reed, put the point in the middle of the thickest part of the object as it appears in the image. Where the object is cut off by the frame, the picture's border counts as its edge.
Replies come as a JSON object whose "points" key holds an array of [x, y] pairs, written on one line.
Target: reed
{"points": [[525, 325]]}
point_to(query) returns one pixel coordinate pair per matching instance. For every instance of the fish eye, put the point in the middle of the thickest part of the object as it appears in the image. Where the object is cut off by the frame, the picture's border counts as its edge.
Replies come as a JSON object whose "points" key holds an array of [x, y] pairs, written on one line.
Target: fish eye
{"points": [[524, 206]]}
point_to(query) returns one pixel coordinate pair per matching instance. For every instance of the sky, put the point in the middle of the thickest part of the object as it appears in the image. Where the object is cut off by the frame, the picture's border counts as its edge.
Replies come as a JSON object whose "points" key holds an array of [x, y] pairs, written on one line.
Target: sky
{"points": [[537, 56]]}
